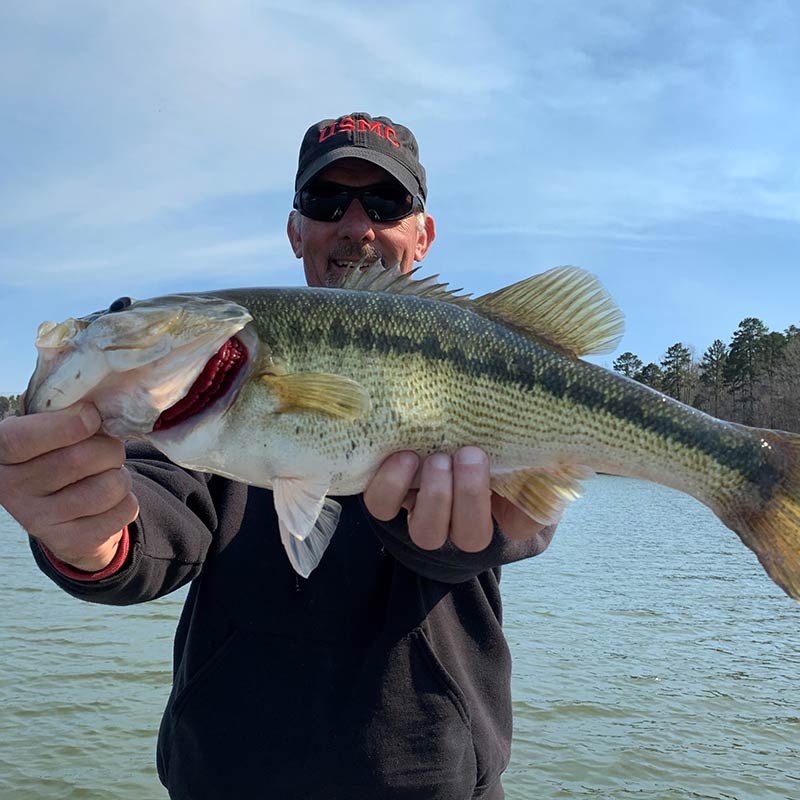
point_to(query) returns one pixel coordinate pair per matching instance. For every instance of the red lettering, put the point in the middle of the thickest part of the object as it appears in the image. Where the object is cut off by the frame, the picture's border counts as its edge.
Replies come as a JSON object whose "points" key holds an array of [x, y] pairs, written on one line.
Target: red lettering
{"points": [[346, 124], [375, 127], [326, 133], [391, 135]]}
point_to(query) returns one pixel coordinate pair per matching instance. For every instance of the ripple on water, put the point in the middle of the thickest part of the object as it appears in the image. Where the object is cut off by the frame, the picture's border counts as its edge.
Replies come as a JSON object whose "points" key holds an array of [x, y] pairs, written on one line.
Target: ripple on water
{"points": [[656, 669], [652, 660]]}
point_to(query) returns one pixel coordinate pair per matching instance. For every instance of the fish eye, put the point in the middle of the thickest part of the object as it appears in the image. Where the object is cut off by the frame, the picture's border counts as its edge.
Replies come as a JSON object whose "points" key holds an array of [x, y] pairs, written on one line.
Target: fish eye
{"points": [[119, 304]]}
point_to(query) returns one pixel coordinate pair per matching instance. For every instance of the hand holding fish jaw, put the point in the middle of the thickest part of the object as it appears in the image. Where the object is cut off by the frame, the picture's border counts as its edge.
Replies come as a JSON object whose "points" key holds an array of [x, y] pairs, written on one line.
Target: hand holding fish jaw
{"points": [[448, 498], [66, 484]]}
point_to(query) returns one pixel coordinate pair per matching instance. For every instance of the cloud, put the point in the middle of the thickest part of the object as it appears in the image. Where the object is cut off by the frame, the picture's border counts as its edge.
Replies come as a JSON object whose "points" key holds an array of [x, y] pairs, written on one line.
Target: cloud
{"points": [[642, 114], [590, 116], [147, 265], [150, 143], [253, 246], [122, 112]]}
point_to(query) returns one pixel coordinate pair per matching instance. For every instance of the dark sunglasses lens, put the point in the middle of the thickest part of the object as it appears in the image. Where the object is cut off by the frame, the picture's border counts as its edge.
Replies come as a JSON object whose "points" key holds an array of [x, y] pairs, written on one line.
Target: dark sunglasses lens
{"points": [[323, 203], [387, 203], [327, 202]]}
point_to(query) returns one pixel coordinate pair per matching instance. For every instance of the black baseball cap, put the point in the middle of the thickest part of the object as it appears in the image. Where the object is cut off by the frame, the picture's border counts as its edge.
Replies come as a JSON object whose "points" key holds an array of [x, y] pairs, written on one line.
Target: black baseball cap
{"points": [[358, 135]]}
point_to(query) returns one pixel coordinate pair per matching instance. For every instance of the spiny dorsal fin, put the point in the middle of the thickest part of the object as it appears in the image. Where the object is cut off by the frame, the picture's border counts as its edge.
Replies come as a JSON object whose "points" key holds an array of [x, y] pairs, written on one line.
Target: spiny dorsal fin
{"points": [[542, 494], [565, 307], [391, 280], [331, 395]]}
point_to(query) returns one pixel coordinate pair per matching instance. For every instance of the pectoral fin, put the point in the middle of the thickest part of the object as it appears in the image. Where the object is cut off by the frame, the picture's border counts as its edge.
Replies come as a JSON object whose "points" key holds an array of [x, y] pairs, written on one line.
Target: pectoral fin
{"points": [[307, 520], [541, 494], [332, 395]]}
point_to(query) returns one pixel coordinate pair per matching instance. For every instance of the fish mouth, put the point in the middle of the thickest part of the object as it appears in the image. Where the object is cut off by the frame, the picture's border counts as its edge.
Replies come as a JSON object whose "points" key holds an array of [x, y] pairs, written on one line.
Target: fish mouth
{"points": [[213, 383]]}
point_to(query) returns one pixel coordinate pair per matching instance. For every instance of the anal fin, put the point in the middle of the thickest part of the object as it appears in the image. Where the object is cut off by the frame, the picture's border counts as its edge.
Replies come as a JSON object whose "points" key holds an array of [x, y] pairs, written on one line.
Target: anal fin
{"points": [[542, 494]]}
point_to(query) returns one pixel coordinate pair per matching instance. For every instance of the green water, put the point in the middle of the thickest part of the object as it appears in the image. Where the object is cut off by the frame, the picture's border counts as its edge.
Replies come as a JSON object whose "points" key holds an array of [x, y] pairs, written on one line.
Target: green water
{"points": [[652, 659]]}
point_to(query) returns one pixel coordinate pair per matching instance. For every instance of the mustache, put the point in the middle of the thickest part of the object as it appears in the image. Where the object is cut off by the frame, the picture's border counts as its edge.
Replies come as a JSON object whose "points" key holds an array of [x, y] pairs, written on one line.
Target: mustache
{"points": [[356, 252]]}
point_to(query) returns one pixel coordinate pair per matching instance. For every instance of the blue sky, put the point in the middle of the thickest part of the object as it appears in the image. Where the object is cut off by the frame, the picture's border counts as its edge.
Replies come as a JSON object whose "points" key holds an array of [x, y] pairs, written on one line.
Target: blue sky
{"points": [[151, 147]]}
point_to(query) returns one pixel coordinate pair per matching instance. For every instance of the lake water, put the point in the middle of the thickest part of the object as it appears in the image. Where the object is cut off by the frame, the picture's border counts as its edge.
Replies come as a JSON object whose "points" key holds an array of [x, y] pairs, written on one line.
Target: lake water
{"points": [[652, 659]]}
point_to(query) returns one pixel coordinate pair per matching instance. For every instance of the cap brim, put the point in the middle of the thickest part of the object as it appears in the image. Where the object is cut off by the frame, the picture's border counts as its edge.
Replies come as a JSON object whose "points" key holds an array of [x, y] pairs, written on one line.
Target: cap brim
{"points": [[397, 170]]}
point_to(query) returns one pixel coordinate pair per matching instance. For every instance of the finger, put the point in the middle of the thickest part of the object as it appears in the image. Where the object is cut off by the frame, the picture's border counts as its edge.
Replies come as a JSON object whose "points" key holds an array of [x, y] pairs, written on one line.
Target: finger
{"points": [[54, 471], [90, 497], [429, 524], [25, 438], [386, 492], [471, 525], [76, 540], [410, 499]]}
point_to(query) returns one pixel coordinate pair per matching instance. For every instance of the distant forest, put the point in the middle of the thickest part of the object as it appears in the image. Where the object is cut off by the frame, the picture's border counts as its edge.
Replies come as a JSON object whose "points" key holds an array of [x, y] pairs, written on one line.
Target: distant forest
{"points": [[9, 406], [754, 379]]}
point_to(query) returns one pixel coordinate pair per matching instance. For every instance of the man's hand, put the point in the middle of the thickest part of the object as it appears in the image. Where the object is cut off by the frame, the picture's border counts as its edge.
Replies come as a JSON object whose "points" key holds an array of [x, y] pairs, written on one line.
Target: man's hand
{"points": [[447, 498], [65, 483]]}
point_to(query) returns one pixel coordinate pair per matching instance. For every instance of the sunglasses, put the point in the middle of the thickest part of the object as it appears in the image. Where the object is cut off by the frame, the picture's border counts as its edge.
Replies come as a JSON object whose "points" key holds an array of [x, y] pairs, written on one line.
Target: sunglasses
{"points": [[383, 202]]}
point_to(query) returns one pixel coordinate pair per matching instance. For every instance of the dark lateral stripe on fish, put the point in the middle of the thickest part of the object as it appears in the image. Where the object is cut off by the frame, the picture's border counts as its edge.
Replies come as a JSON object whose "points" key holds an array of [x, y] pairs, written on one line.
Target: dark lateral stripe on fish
{"points": [[516, 361]]}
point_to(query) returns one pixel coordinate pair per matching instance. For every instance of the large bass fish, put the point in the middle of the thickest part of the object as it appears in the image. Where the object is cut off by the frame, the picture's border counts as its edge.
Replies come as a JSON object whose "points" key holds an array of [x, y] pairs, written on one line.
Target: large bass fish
{"points": [[306, 391]]}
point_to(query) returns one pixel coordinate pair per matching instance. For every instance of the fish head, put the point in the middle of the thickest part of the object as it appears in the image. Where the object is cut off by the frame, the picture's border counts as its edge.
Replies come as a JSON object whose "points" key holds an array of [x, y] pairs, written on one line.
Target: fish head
{"points": [[134, 360]]}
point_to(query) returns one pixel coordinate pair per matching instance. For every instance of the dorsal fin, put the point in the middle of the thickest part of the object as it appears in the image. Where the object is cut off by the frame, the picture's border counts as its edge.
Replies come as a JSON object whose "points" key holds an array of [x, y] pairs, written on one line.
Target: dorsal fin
{"points": [[391, 280], [566, 307]]}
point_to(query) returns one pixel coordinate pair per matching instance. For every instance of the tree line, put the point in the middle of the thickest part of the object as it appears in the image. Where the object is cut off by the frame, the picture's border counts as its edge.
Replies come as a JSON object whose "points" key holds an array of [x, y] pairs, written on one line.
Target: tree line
{"points": [[754, 379], [9, 405]]}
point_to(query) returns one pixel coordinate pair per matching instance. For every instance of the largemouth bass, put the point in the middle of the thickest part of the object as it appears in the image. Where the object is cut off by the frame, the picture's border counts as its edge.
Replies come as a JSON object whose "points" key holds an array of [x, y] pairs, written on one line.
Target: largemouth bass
{"points": [[306, 391]]}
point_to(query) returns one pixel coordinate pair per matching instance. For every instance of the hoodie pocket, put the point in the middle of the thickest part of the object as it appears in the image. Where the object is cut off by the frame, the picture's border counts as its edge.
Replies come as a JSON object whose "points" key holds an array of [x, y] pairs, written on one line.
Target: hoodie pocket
{"points": [[406, 733], [205, 674], [268, 717], [241, 720]]}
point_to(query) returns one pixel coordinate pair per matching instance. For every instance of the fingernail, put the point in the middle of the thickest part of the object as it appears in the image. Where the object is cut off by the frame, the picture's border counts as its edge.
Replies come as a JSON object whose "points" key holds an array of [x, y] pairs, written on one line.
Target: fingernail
{"points": [[408, 459], [440, 461], [469, 456], [90, 417]]}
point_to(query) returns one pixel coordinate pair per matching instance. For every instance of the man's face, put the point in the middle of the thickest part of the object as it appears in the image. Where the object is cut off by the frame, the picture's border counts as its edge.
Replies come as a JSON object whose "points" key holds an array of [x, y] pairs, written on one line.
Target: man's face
{"points": [[331, 249]]}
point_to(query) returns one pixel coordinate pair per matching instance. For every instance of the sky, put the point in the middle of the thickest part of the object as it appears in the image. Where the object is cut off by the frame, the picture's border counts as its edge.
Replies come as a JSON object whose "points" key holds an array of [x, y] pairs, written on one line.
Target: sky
{"points": [[151, 147]]}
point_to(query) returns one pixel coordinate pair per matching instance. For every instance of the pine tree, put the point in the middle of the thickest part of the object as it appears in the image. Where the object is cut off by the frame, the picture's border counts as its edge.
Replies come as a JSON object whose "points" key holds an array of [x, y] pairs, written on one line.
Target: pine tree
{"points": [[745, 364], [712, 373], [650, 375], [628, 364], [676, 368]]}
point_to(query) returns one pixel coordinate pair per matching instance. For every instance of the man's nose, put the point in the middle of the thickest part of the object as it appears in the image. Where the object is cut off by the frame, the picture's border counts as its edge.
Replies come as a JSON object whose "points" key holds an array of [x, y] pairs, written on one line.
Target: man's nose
{"points": [[356, 224]]}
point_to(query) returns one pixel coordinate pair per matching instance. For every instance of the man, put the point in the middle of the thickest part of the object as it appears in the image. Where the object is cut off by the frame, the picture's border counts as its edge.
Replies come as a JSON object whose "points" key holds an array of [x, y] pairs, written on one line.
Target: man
{"points": [[385, 674]]}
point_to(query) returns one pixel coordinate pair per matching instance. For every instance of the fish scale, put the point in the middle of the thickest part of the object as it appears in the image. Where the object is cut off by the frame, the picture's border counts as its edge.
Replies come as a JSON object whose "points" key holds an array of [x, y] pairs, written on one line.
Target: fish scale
{"points": [[335, 380]]}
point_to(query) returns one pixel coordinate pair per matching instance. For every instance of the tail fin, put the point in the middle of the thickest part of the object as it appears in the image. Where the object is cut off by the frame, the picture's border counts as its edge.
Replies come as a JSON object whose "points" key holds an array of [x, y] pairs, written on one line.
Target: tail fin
{"points": [[773, 531]]}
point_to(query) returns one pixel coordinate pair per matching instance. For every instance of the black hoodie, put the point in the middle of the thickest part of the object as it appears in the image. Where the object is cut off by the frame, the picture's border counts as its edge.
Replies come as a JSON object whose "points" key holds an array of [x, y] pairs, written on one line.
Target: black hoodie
{"points": [[385, 674]]}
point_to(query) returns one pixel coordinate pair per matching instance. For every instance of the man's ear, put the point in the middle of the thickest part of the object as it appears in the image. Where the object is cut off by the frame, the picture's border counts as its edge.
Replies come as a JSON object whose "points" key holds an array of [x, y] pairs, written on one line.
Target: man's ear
{"points": [[294, 230], [425, 238]]}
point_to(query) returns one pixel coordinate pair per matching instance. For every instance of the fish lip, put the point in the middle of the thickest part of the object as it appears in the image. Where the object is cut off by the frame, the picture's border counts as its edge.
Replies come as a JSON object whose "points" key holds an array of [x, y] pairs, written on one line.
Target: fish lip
{"points": [[41, 394]]}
